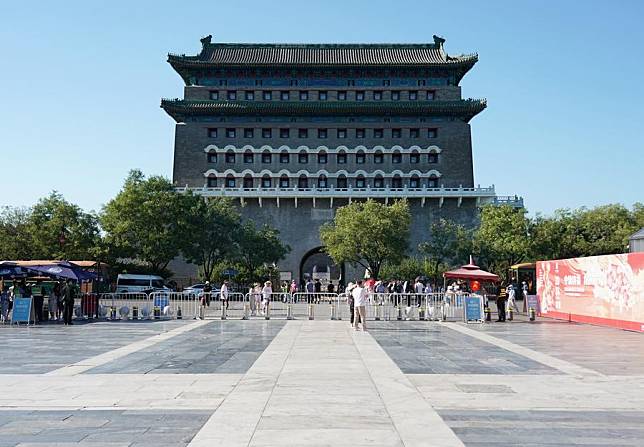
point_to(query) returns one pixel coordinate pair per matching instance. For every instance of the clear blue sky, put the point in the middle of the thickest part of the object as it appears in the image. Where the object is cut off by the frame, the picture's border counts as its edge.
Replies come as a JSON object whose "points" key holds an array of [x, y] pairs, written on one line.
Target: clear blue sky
{"points": [[81, 82]]}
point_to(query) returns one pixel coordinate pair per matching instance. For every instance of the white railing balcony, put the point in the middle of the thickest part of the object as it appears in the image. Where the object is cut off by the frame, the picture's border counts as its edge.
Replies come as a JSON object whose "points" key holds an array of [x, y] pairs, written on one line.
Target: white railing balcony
{"points": [[485, 194]]}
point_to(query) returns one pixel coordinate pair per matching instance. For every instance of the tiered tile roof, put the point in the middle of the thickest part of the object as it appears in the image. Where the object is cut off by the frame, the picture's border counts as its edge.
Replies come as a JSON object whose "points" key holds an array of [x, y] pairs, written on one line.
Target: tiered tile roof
{"points": [[467, 109]]}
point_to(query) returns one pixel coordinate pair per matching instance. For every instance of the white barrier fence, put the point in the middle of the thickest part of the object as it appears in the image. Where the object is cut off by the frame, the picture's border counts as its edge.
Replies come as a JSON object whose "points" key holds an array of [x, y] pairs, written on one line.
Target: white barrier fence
{"points": [[279, 305]]}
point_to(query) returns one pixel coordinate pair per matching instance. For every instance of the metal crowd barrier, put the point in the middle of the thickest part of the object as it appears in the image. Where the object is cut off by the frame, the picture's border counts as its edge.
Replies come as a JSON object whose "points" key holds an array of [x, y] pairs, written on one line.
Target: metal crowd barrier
{"points": [[281, 305]]}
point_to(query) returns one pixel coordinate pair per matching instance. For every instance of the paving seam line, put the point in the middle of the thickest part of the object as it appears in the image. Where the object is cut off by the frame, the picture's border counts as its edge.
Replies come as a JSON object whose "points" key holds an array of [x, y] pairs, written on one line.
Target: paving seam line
{"points": [[391, 384], [202, 438], [540, 357], [106, 357]]}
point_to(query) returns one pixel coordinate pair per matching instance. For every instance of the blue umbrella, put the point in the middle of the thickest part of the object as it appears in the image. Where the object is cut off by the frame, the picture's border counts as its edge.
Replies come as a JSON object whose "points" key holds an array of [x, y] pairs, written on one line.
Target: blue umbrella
{"points": [[7, 271], [64, 270]]}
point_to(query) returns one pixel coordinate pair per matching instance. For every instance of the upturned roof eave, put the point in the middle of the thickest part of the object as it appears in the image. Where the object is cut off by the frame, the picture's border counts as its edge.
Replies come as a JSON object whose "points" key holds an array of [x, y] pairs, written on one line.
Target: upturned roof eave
{"points": [[179, 109]]}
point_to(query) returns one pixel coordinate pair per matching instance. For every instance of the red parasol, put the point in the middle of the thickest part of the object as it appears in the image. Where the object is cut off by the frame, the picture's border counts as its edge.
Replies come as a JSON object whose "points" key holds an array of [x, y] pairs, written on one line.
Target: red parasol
{"points": [[471, 272]]}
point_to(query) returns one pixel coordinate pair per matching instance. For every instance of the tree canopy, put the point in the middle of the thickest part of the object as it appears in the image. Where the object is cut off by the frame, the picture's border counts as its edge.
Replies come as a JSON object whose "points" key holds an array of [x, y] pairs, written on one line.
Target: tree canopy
{"points": [[369, 234], [147, 220]]}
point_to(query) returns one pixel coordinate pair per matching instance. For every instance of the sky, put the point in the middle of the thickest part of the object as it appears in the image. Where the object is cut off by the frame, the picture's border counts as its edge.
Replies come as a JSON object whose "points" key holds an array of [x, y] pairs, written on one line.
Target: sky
{"points": [[81, 83]]}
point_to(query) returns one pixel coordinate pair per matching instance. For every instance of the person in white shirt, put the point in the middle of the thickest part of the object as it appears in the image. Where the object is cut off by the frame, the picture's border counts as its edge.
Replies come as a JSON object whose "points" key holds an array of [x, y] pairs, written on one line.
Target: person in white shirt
{"points": [[266, 296], [223, 294], [360, 296]]}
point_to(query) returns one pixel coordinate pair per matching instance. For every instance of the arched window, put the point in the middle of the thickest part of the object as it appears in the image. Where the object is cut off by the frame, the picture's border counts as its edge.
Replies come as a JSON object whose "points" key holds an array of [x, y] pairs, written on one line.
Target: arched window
{"points": [[266, 157], [378, 182], [303, 182], [378, 158], [432, 182], [360, 157], [414, 182], [284, 182], [230, 157], [396, 182], [212, 182], [284, 157], [322, 157], [303, 157], [342, 181], [360, 182], [248, 157], [230, 181], [322, 181], [248, 182], [341, 158], [396, 157], [432, 157], [267, 182], [414, 157]]}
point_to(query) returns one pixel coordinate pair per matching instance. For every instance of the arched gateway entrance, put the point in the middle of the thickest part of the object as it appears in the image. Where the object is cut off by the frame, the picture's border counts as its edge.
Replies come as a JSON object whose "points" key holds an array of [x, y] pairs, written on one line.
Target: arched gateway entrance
{"points": [[316, 264]]}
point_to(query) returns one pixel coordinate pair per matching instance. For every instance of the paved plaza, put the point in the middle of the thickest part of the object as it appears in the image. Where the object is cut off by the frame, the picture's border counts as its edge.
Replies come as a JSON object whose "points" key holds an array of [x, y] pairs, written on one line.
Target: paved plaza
{"points": [[319, 383]]}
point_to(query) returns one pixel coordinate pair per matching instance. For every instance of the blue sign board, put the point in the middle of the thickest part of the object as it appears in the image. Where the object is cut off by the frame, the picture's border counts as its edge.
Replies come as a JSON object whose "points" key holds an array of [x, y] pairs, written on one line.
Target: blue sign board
{"points": [[21, 310], [230, 272], [473, 308], [161, 301]]}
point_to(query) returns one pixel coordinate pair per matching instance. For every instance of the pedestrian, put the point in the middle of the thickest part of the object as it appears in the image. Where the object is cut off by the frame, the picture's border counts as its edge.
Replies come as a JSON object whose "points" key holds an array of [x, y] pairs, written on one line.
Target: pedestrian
{"points": [[52, 302], [69, 295], [4, 302], [500, 305], [255, 298], [350, 301], [284, 291], [266, 296], [512, 303], [419, 288], [223, 294], [310, 289], [359, 294]]}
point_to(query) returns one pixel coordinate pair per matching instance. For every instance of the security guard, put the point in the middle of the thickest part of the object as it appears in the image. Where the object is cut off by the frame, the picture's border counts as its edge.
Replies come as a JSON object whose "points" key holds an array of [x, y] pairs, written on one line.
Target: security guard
{"points": [[500, 305]]}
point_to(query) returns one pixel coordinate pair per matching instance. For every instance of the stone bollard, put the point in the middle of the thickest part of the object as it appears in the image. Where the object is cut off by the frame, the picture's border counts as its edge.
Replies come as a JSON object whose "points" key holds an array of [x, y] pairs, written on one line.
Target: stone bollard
{"points": [[333, 312], [246, 315], [223, 311], [268, 311], [179, 314], [532, 314], [378, 312], [311, 312]]}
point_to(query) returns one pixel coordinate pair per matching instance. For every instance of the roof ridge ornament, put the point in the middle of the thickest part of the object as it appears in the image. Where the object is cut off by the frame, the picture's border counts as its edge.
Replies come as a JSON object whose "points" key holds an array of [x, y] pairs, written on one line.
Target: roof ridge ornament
{"points": [[206, 40], [438, 41]]}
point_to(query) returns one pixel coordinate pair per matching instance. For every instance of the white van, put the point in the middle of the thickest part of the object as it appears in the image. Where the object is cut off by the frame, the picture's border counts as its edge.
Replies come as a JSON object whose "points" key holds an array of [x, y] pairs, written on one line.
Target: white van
{"points": [[126, 283]]}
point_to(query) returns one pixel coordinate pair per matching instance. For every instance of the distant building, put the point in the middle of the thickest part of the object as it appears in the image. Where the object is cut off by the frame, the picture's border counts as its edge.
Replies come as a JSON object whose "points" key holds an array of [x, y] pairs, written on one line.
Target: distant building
{"points": [[636, 241], [294, 131]]}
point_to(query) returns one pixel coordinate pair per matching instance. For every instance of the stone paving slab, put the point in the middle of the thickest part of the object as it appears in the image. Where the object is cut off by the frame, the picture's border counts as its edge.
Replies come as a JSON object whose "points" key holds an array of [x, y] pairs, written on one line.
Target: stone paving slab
{"points": [[547, 428], [44, 348], [219, 347], [99, 428], [606, 350], [422, 347]]}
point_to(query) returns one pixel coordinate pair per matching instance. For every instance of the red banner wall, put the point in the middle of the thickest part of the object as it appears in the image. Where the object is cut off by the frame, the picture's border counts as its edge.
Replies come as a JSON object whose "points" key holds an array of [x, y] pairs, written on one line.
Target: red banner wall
{"points": [[606, 290]]}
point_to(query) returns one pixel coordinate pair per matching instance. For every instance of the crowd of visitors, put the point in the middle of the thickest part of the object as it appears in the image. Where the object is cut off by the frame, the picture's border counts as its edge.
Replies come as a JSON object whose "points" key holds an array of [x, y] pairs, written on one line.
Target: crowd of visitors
{"points": [[60, 301]]}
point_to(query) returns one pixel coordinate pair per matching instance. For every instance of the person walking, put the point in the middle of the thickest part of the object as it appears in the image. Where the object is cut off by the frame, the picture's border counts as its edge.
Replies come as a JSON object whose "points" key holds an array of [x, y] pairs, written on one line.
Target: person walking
{"points": [[52, 302], [223, 294], [512, 303], [310, 289], [267, 291], [69, 295], [359, 294]]}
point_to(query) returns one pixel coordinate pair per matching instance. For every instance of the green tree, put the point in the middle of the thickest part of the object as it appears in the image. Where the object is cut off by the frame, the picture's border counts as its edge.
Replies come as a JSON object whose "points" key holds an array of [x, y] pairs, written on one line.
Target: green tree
{"points": [[257, 249], [61, 230], [212, 226], [15, 235], [502, 238], [369, 234], [147, 220], [450, 245]]}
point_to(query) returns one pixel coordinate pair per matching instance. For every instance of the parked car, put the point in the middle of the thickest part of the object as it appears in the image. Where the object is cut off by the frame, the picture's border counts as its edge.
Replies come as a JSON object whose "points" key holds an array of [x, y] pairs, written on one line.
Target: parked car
{"points": [[126, 283], [197, 289]]}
